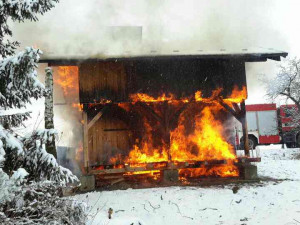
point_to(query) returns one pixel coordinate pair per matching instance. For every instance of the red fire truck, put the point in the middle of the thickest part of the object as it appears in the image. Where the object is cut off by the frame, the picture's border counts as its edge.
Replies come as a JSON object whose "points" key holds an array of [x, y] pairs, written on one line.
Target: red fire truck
{"points": [[269, 125], [262, 120]]}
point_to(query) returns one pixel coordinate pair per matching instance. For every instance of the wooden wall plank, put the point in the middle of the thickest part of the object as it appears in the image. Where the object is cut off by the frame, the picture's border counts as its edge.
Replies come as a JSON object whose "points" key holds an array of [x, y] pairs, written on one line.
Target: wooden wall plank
{"points": [[102, 80]]}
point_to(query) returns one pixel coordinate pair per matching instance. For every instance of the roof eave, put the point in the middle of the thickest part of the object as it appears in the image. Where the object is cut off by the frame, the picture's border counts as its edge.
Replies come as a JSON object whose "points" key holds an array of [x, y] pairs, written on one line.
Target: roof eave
{"points": [[261, 57]]}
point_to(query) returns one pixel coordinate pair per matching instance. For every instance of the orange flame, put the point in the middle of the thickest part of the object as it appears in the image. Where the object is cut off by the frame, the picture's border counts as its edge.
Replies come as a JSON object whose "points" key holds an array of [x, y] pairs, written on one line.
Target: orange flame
{"points": [[236, 96], [228, 170], [141, 97], [101, 102], [207, 137], [68, 79], [206, 142], [78, 106], [147, 153]]}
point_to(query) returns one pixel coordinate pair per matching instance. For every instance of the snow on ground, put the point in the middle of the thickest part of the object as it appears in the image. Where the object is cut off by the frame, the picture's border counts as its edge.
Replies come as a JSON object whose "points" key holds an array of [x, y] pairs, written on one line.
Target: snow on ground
{"points": [[266, 203], [279, 164]]}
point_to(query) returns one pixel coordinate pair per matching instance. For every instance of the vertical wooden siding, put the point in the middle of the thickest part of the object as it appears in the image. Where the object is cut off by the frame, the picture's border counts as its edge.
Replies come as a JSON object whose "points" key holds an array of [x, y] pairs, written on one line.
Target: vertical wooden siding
{"points": [[105, 141], [105, 80]]}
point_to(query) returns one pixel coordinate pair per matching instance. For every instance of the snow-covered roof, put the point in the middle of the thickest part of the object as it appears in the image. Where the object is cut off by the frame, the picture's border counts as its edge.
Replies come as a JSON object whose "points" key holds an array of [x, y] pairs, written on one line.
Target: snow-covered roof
{"points": [[247, 54]]}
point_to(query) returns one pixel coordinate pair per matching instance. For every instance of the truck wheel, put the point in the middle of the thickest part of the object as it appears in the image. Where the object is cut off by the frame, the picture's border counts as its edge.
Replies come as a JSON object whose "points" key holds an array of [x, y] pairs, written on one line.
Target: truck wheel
{"points": [[252, 143]]}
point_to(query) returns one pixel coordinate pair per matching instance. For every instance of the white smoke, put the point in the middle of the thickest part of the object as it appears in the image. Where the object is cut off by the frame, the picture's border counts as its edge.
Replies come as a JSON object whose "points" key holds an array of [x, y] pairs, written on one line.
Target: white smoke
{"points": [[77, 27]]}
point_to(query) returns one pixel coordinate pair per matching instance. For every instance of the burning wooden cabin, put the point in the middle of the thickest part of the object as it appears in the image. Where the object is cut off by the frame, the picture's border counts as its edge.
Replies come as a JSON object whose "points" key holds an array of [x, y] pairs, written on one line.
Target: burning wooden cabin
{"points": [[161, 112]]}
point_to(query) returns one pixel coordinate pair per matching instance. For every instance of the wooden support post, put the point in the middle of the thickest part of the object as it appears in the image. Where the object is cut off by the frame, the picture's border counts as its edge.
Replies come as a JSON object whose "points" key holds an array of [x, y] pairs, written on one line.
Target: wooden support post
{"points": [[85, 141], [245, 128]]}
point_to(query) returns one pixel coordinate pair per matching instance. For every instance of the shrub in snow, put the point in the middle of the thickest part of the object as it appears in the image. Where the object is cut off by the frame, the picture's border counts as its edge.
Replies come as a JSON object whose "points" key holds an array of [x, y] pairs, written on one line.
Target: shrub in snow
{"points": [[9, 186], [11, 150], [42, 165], [30, 153], [41, 203]]}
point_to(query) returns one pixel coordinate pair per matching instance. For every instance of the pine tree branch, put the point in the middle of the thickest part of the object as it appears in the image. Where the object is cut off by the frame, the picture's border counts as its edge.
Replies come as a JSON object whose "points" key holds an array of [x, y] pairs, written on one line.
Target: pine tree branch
{"points": [[13, 120]]}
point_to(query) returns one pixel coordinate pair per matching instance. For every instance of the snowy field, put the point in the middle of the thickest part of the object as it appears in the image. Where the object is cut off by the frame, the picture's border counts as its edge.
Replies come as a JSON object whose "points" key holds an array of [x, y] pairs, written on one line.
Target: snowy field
{"points": [[268, 202]]}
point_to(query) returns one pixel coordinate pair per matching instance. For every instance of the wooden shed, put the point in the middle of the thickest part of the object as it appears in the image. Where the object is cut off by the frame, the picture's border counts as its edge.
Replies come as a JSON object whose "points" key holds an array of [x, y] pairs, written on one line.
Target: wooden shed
{"points": [[107, 81]]}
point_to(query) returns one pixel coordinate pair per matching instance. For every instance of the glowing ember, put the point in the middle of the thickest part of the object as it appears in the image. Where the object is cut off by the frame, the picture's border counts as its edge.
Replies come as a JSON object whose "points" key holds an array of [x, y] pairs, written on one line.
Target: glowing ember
{"points": [[124, 106], [78, 106], [101, 102], [198, 96], [154, 174], [220, 171], [141, 97]]}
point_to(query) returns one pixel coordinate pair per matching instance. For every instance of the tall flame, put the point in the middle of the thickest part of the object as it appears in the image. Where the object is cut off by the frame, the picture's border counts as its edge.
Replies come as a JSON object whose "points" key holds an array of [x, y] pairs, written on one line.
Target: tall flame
{"points": [[206, 142], [207, 136], [68, 80]]}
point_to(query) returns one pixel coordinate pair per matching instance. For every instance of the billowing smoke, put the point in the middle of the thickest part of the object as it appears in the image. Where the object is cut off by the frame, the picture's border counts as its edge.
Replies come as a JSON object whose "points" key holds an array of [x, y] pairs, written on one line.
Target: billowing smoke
{"points": [[78, 27], [91, 28]]}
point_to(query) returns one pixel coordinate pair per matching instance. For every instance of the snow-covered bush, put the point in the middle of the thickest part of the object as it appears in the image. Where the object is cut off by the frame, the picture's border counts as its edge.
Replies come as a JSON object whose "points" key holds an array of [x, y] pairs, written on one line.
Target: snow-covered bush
{"points": [[11, 151], [29, 153], [41, 203], [10, 185], [42, 165]]}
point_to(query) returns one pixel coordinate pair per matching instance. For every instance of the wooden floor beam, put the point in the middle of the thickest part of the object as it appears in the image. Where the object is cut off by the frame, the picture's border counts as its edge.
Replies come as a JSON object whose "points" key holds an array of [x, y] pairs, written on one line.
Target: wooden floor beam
{"points": [[176, 165]]}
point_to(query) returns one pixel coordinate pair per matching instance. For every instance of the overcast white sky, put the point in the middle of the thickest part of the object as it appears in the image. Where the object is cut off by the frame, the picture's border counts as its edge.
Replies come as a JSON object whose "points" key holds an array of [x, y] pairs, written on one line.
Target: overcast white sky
{"points": [[206, 24]]}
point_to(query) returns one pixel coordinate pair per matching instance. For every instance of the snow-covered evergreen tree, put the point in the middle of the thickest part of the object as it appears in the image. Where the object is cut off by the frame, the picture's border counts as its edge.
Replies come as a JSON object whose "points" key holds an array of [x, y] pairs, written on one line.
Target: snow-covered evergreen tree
{"points": [[18, 85], [29, 176], [18, 10]]}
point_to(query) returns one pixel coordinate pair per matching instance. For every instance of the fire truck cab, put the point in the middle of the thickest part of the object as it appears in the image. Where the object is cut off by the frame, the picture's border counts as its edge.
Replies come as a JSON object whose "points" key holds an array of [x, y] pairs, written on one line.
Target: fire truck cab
{"points": [[290, 137]]}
